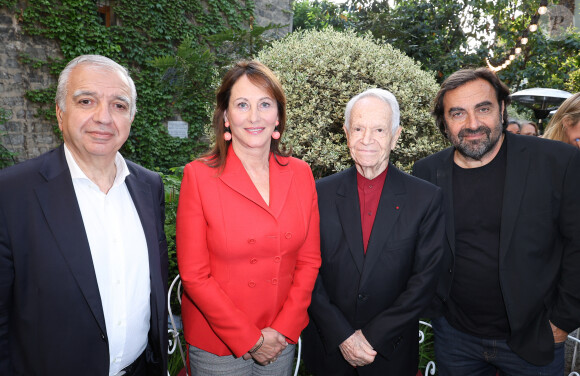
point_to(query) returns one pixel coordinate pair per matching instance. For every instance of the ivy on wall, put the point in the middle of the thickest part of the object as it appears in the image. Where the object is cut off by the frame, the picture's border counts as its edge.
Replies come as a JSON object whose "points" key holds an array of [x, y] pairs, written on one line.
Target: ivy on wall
{"points": [[6, 156], [145, 30]]}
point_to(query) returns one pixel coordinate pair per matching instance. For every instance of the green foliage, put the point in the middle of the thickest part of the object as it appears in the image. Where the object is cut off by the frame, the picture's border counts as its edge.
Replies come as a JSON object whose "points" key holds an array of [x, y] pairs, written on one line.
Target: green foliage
{"points": [[426, 347], [7, 3], [321, 70], [6, 156], [174, 362], [172, 182], [573, 84], [233, 45], [189, 76], [432, 32], [319, 15], [447, 35], [545, 62]]}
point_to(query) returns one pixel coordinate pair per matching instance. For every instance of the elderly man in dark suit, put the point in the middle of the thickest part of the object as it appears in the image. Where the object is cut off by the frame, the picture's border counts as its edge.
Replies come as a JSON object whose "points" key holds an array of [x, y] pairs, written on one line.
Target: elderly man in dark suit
{"points": [[381, 242], [83, 255], [509, 292]]}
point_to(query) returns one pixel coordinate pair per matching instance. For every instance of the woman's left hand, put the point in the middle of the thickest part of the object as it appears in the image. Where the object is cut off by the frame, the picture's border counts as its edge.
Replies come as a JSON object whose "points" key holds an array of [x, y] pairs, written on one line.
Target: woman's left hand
{"points": [[274, 344]]}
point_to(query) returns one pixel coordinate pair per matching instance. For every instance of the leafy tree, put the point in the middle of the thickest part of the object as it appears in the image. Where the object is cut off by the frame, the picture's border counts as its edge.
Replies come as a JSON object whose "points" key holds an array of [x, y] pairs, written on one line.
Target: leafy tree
{"points": [[189, 75], [432, 32], [447, 35], [545, 62], [321, 14], [573, 84], [232, 45]]}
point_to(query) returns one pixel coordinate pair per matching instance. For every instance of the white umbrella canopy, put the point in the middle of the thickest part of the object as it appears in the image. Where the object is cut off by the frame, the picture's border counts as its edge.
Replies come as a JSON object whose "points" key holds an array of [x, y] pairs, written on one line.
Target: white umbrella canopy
{"points": [[541, 101], [539, 98]]}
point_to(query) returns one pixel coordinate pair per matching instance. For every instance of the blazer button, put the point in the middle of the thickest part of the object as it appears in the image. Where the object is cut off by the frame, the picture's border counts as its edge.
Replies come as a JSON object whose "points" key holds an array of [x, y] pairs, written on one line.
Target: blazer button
{"points": [[251, 241], [252, 284], [274, 281], [102, 336], [288, 235], [450, 271], [253, 260], [277, 259], [362, 297]]}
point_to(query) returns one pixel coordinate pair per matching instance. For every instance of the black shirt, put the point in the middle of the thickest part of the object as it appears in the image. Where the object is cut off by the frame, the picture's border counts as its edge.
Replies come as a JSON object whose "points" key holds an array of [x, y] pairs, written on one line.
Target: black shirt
{"points": [[476, 304]]}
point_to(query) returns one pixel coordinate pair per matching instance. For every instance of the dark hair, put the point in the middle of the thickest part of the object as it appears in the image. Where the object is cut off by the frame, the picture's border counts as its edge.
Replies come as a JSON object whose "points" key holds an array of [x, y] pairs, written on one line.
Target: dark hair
{"points": [[462, 77], [259, 75]]}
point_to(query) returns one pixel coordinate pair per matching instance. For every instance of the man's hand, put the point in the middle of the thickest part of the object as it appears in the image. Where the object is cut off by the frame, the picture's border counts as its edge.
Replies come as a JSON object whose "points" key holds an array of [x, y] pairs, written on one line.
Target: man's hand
{"points": [[559, 334], [357, 351]]}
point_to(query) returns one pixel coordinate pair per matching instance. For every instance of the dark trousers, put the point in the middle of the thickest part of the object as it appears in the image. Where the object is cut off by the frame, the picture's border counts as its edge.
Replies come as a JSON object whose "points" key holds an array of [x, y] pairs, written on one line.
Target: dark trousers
{"points": [[460, 354]]}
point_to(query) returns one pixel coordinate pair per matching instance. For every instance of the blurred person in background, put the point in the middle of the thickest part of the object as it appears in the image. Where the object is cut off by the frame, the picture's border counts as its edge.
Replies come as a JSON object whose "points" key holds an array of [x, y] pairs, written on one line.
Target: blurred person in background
{"points": [[565, 124], [513, 126], [529, 128]]}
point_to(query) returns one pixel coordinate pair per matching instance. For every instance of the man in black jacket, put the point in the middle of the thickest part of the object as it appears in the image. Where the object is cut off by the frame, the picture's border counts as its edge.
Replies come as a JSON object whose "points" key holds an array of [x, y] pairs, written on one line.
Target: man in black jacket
{"points": [[509, 292], [381, 235]]}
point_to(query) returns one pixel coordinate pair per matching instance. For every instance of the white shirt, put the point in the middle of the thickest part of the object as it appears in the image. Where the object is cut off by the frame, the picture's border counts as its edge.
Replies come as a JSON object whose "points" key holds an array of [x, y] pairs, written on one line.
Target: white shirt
{"points": [[121, 261]]}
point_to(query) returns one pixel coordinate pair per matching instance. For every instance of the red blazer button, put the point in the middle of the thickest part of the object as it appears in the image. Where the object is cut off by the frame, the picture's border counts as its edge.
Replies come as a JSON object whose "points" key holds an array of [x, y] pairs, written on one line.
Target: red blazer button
{"points": [[274, 281], [277, 259], [253, 260], [252, 284], [288, 235], [251, 241]]}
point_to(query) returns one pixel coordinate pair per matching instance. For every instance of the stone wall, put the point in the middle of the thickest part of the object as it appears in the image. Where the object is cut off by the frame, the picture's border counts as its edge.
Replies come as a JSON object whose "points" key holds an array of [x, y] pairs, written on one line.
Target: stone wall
{"points": [[23, 134], [274, 11]]}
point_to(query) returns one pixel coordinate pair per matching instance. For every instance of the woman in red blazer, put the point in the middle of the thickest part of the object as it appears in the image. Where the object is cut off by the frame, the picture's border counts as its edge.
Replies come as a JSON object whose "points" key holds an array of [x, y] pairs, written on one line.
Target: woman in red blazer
{"points": [[248, 242]]}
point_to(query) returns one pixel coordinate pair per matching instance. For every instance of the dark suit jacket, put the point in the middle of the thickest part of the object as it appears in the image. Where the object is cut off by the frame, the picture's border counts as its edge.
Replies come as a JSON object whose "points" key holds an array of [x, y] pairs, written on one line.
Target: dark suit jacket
{"points": [[51, 317], [384, 292], [539, 254]]}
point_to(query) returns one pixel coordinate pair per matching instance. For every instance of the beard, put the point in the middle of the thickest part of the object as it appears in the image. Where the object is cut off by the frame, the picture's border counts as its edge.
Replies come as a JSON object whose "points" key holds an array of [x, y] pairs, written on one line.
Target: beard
{"points": [[475, 149]]}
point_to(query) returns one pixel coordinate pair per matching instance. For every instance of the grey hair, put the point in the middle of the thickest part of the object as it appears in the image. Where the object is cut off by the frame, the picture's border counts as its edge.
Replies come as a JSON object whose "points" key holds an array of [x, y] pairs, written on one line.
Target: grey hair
{"points": [[384, 95], [93, 60]]}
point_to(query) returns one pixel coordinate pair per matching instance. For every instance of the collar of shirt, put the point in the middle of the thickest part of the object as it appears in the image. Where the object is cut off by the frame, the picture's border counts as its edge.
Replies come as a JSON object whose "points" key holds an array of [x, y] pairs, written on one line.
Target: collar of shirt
{"points": [[77, 173], [369, 194]]}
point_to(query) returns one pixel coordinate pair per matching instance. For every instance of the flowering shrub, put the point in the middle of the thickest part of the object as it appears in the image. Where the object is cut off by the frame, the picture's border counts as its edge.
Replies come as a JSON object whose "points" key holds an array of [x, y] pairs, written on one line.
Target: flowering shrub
{"points": [[322, 70]]}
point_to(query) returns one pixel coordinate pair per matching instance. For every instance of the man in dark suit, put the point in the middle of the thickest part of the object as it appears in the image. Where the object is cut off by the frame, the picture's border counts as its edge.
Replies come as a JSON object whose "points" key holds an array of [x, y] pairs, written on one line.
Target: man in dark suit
{"points": [[83, 255], [509, 292], [381, 242]]}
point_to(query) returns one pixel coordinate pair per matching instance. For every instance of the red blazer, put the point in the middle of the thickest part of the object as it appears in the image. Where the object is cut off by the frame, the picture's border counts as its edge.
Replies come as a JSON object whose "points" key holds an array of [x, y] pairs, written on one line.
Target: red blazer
{"points": [[245, 265]]}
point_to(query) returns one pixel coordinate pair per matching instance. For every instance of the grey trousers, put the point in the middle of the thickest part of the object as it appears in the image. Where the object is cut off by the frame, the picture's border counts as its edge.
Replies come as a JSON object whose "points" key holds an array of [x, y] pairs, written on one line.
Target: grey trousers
{"points": [[203, 363]]}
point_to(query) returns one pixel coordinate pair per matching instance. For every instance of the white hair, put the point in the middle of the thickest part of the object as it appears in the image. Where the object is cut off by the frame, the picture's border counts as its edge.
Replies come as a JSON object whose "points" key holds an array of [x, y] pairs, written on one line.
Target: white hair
{"points": [[384, 95], [101, 62]]}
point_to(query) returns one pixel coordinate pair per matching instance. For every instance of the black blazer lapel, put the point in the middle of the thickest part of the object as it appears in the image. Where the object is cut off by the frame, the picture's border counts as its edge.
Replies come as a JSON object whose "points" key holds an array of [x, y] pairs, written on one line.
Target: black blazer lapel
{"points": [[445, 181], [58, 202], [347, 204], [393, 198], [517, 165]]}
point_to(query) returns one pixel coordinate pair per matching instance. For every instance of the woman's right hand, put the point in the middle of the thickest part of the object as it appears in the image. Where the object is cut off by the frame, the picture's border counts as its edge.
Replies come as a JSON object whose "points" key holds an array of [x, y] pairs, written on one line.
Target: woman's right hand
{"points": [[274, 344]]}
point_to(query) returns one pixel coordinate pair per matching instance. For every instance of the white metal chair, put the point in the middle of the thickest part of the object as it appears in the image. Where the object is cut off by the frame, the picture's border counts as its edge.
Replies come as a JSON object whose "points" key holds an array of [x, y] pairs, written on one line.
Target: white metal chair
{"points": [[431, 368]]}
